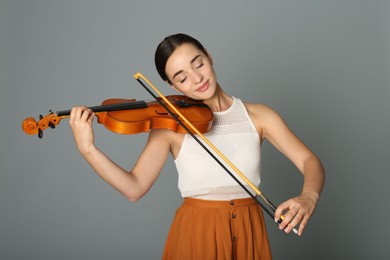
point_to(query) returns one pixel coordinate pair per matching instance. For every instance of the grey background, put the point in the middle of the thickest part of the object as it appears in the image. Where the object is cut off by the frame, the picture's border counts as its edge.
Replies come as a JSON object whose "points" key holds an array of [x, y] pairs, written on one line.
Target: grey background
{"points": [[323, 65]]}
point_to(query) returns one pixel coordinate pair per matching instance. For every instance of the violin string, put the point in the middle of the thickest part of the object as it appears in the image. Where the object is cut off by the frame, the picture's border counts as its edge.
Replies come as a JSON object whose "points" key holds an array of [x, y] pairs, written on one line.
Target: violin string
{"points": [[256, 198]]}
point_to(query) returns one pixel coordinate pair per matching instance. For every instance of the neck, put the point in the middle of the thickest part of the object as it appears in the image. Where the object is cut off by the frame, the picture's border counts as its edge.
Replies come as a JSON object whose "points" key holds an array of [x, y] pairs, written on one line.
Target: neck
{"points": [[220, 101]]}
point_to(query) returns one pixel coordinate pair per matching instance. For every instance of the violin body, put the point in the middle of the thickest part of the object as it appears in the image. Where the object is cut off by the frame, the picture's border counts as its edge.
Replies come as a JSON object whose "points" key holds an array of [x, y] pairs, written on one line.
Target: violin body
{"points": [[129, 116], [154, 116]]}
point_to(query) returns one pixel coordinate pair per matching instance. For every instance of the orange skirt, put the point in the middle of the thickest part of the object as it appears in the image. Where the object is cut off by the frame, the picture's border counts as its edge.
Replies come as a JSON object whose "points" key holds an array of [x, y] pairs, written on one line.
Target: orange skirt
{"points": [[204, 229]]}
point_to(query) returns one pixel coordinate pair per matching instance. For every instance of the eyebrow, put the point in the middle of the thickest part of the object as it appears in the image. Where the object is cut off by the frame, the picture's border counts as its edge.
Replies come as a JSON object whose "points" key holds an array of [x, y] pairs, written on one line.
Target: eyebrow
{"points": [[192, 61]]}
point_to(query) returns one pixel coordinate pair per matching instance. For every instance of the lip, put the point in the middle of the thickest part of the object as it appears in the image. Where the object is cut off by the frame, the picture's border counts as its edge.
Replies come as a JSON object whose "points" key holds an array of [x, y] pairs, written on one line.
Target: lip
{"points": [[203, 88]]}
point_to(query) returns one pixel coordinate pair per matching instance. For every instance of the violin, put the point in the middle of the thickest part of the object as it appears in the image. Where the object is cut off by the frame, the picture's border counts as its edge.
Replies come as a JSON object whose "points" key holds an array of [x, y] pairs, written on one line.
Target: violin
{"points": [[130, 116], [177, 113]]}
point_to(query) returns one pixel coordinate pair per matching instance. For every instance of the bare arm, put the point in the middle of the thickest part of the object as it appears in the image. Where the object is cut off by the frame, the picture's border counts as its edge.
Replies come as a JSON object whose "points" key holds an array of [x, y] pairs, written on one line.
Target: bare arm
{"points": [[132, 184], [297, 210]]}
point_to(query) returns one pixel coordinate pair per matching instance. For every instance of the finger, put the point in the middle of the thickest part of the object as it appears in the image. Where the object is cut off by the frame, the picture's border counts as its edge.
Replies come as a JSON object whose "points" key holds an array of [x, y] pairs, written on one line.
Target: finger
{"points": [[283, 216], [303, 224], [282, 208], [91, 116], [294, 222], [75, 112], [78, 115], [86, 114], [287, 218]]}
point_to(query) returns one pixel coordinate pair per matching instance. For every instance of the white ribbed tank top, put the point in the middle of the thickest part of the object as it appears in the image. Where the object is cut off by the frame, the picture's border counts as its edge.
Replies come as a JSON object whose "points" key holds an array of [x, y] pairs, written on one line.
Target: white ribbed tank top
{"points": [[234, 134]]}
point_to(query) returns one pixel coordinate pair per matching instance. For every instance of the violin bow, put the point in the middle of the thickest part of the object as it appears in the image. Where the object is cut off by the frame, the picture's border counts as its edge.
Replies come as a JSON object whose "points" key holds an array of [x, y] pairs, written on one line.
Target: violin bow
{"points": [[191, 129]]}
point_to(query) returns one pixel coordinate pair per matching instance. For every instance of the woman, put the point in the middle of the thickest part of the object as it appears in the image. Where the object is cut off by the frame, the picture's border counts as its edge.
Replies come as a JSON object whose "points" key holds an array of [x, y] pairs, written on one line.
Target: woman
{"points": [[218, 219]]}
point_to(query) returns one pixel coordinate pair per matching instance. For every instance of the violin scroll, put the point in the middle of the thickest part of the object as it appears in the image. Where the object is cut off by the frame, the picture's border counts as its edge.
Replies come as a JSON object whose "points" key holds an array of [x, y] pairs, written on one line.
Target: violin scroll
{"points": [[31, 126]]}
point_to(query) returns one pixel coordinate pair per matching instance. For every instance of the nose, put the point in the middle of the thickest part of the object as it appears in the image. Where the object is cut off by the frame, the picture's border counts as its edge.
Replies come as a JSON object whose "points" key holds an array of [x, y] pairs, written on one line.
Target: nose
{"points": [[197, 77]]}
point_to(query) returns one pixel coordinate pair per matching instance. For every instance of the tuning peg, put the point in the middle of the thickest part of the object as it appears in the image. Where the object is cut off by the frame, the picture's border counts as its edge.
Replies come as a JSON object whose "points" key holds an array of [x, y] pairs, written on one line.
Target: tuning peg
{"points": [[51, 125], [40, 133], [40, 117]]}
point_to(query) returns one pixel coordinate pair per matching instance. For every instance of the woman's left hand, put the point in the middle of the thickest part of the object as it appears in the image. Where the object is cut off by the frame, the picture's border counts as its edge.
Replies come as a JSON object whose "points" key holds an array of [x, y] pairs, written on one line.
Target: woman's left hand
{"points": [[296, 211]]}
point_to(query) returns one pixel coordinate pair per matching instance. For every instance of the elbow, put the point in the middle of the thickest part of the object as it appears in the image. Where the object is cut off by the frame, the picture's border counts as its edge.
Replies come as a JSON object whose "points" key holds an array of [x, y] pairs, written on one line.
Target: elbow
{"points": [[133, 197], [313, 163], [132, 191], [320, 166]]}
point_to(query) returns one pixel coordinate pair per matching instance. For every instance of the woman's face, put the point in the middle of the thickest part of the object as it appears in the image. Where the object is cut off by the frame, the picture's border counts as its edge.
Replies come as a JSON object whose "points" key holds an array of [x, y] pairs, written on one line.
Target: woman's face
{"points": [[190, 71]]}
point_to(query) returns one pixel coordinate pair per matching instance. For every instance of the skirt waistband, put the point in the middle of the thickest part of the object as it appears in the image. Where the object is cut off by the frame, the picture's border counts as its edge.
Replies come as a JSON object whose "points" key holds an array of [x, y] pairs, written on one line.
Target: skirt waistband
{"points": [[218, 203]]}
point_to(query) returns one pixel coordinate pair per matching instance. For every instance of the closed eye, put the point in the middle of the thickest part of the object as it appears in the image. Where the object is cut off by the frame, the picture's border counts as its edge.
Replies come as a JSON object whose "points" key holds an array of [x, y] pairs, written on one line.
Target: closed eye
{"points": [[184, 79]]}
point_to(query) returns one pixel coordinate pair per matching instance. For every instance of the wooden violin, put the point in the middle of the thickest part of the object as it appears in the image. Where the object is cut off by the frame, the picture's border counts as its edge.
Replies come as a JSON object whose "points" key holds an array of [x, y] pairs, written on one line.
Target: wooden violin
{"points": [[129, 116], [177, 113]]}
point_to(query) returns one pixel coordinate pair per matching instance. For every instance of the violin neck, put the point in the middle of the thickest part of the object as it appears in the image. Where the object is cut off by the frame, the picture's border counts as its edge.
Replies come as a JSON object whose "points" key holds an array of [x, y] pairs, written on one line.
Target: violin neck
{"points": [[111, 107]]}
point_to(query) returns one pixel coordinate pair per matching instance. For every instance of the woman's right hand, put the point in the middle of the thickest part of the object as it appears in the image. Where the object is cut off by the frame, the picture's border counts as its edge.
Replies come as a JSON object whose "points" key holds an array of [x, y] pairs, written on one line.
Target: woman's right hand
{"points": [[81, 119]]}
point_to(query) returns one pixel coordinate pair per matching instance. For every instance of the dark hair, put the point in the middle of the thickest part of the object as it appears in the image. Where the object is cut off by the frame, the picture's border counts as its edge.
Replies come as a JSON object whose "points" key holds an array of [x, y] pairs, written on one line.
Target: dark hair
{"points": [[167, 47]]}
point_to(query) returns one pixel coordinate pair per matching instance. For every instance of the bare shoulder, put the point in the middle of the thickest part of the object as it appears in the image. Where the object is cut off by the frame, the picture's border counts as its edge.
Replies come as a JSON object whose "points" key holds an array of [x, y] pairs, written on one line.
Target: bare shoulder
{"points": [[163, 136], [258, 110], [263, 117], [166, 139]]}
